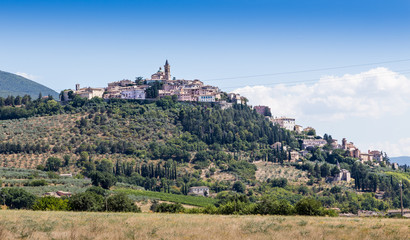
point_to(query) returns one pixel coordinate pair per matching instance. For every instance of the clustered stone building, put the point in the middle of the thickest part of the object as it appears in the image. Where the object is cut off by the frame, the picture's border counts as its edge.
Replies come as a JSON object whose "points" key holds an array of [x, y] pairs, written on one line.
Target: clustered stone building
{"points": [[262, 110], [306, 143], [285, 122], [372, 156], [190, 90], [185, 90], [343, 175]]}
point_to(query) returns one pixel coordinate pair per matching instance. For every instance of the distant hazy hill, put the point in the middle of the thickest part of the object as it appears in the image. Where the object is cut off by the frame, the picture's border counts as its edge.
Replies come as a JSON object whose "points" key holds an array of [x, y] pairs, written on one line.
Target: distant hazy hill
{"points": [[12, 84], [401, 160]]}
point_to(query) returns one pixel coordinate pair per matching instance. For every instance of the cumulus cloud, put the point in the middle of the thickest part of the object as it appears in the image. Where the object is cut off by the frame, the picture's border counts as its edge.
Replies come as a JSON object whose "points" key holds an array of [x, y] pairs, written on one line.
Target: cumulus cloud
{"points": [[26, 75], [370, 94], [399, 148]]}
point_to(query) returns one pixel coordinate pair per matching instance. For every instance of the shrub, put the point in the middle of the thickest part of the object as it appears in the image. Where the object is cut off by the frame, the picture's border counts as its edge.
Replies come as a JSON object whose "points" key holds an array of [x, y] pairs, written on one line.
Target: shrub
{"points": [[53, 164], [283, 207], [278, 207], [279, 182], [38, 182], [87, 201], [336, 189], [40, 167], [103, 179], [120, 202], [237, 207], [53, 175], [98, 190], [169, 208], [309, 206], [50, 203], [17, 198], [330, 212], [239, 187]]}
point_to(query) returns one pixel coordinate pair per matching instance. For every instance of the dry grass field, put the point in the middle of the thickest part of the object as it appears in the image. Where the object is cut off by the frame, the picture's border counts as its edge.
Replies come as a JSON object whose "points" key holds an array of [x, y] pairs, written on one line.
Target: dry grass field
{"points": [[77, 225]]}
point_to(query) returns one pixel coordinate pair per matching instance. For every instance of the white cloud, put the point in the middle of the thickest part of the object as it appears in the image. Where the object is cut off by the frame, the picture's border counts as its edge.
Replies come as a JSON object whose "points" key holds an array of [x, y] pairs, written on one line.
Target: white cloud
{"points": [[396, 149], [370, 94], [26, 75]]}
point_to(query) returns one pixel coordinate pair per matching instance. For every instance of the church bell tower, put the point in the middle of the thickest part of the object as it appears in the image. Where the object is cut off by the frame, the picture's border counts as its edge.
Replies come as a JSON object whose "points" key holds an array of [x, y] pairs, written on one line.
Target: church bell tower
{"points": [[167, 69]]}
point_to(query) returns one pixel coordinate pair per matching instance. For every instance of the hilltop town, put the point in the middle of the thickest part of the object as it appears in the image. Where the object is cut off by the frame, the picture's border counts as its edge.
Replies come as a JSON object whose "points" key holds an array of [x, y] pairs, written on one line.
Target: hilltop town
{"points": [[163, 84], [185, 142]]}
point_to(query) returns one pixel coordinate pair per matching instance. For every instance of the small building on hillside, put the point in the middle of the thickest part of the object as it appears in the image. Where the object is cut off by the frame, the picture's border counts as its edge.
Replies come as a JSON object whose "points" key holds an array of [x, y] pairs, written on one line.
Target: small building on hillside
{"points": [[236, 98], [133, 93], [343, 175], [309, 131], [351, 148], [206, 98], [277, 145], [225, 105], [58, 194], [285, 122], [371, 156], [89, 92], [294, 156], [66, 175], [298, 129], [263, 110], [313, 143], [199, 191], [303, 153]]}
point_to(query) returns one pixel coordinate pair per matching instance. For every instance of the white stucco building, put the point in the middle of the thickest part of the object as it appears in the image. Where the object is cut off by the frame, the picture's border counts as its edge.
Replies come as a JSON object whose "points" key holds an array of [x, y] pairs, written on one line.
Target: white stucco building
{"points": [[284, 122]]}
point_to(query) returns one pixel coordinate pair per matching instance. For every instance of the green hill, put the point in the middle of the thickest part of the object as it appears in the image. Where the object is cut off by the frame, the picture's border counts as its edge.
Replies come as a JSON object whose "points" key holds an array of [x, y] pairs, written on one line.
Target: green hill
{"points": [[166, 147], [15, 85]]}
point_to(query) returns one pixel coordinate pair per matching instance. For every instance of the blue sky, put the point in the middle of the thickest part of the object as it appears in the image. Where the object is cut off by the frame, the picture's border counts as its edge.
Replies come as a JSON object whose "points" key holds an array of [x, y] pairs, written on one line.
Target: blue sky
{"points": [[61, 43]]}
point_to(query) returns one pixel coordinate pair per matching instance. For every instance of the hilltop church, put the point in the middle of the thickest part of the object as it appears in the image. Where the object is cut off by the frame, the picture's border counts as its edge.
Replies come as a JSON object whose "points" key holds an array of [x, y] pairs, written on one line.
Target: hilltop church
{"points": [[163, 75]]}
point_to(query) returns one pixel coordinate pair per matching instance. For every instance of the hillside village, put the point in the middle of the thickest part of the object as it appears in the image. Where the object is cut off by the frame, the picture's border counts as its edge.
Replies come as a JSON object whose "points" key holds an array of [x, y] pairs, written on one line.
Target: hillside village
{"points": [[310, 140], [196, 91], [184, 138], [218, 120], [163, 84]]}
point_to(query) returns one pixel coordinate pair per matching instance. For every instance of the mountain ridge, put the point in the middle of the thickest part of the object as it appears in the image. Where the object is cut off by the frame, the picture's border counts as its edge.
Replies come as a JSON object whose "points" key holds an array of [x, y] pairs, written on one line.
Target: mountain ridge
{"points": [[401, 160], [14, 85]]}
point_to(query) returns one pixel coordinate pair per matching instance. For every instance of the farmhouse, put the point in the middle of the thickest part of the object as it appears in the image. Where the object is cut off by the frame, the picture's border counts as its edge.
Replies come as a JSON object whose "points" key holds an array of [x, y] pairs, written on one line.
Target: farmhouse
{"points": [[313, 143], [200, 191], [58, 194]]}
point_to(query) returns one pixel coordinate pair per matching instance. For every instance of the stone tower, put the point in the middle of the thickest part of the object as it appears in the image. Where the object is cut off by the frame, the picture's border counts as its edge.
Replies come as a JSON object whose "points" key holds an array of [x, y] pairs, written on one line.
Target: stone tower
{"points": [[167, 69], [344, 146]]}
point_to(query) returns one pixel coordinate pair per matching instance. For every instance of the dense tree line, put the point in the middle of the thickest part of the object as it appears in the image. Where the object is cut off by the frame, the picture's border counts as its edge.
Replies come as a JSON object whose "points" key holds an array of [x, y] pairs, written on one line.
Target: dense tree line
{"points": [[93, 199], [367, 180], [238, 126], [23, 107], [10, 148]]}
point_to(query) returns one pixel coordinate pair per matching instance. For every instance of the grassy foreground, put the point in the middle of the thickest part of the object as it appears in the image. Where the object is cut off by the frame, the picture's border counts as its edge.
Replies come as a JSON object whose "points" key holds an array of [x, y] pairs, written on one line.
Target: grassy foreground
{"points": [[79, 225]]}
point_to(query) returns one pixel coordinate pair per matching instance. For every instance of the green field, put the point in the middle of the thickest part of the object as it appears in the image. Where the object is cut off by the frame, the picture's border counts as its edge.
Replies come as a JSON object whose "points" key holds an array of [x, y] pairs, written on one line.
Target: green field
{"points": [[183, 199]]}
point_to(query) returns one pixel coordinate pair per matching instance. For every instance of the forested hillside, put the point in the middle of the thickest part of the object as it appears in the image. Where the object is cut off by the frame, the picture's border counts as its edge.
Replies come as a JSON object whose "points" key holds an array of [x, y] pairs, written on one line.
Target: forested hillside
{"points": [[15, 85], [168, 146]]}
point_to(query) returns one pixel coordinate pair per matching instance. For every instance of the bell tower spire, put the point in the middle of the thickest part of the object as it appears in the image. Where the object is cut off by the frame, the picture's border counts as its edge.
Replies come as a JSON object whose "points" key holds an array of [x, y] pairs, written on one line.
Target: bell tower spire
{"points": [[167, 69]]}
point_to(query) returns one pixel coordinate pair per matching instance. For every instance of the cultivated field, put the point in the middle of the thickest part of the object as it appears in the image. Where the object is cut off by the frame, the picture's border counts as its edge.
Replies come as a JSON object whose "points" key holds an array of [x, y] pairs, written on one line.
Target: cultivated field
{"points": [[275, 170], [79, 225]]}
